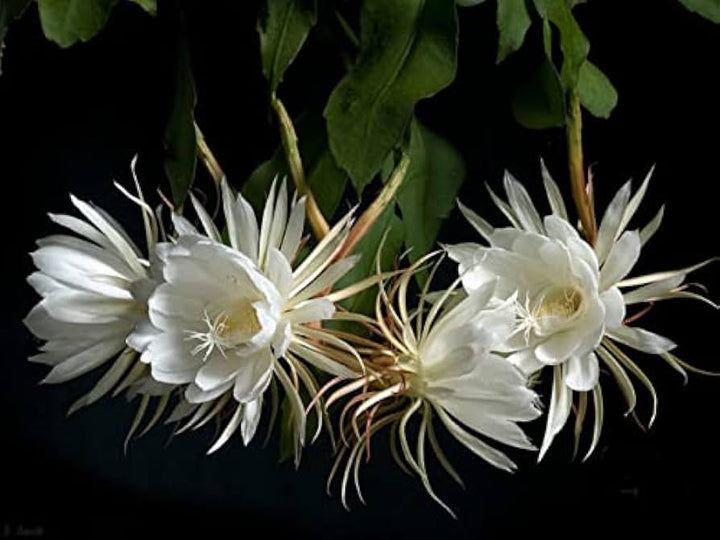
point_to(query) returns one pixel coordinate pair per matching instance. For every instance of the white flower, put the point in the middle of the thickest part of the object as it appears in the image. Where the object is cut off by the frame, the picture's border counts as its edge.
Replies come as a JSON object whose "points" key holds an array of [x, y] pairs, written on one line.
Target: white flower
{"points": [[94, 288], [438, 359], [227, 314], [569, 306]]}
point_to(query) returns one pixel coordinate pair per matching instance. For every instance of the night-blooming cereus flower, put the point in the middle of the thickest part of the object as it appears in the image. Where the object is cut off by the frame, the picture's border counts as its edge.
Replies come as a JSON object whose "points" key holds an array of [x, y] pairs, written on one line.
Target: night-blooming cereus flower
{"points": [[570, 308], [94, 288], [227, 315], [436, 362]]}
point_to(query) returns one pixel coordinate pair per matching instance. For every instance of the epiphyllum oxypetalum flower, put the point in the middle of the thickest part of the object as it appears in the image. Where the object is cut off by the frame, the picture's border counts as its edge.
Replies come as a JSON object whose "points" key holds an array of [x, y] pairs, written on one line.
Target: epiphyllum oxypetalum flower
{"points": [[570, 309], [226, 315], [436, 361], [94, 291]]}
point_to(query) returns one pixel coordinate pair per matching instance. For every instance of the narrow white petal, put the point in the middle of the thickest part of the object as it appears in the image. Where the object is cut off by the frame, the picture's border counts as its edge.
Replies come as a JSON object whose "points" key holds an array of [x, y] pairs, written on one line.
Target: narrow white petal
{"points": [[610, 225], [623, 256], [294, 230], [475, 445], [82, 228], [480, 225], [317, 309], [554, 195], [84, 307], [84, 361], [642, 340], [522, 205], [636, 200], [195, 394], [115, 234], [183, 226], [251, 419], [559, 411], [280, 272], [327, 278], [207, 222]]}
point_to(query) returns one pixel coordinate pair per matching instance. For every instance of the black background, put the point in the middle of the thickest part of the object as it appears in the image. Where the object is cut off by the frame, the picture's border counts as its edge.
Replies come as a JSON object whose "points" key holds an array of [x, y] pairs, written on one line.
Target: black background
{"points": [[70, 121]]}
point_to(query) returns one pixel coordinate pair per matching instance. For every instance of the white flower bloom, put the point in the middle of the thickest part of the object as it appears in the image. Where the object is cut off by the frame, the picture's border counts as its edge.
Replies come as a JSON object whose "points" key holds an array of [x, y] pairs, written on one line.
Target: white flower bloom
{"points": [[439, 360], [227, 314], [569, 304], [94, 288]]}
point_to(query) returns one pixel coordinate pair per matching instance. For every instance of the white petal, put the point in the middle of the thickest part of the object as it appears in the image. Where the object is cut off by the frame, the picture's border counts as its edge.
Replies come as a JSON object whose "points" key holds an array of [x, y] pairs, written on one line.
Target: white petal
{"points": [[171, 358], [279, 220], [553, 193], [559, 411], [279, 272], [183, 226], [558, 347], [142, 335], [642, 340], [610, 226], [241, 223], [526, 361], [317, 309], [294, 230], [82, 228], [253, 376], [84, 307], [115, 234], [195, 394], [251, 419], [84, 361], [207, 222], [480, 225], [582, 372], [623, 256], [471, 413], [217, 371], [614, 304], [522, 204]]}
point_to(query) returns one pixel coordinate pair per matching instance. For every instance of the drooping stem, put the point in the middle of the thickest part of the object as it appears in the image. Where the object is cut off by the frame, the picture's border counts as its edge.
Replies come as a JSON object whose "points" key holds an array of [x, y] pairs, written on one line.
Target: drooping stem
{"points": [[207, 157], [292, 154], [581, 188], [370, 215]]}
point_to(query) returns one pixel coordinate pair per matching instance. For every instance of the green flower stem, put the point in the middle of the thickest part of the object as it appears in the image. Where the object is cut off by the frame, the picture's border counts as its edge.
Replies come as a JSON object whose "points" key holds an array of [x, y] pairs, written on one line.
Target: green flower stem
{"points": [[207, 157], [581, 189], [292, 154], [370, 215]]}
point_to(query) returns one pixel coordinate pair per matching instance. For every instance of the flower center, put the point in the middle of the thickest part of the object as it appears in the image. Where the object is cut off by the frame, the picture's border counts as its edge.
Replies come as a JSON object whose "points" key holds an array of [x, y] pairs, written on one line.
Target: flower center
{"points": [[226, 330], [549, 311]]}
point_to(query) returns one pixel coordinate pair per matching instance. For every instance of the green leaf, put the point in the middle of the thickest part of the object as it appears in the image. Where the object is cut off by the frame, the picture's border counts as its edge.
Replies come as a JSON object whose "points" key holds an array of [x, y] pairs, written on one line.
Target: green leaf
{"points": [[68, 21], [597, 93], [149, 6], [710, 9], [428, 193], [573, 43], [539, 102], [407, 53], [283, 27], [368, 246], [180, 142], [513, 22], [324, 177]]}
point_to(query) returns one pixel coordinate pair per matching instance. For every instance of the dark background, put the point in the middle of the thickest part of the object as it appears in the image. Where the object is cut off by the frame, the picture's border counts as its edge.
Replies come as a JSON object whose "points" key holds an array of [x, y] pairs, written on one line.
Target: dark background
{"points": [[70, 121]]}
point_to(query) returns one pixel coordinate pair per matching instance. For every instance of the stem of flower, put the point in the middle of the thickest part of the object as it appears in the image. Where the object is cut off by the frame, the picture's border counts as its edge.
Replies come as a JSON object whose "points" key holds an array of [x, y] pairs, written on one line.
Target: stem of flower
{"points": [[581, 189], [368, 217], [292, 154], [207, 157]]}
